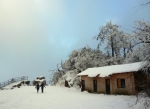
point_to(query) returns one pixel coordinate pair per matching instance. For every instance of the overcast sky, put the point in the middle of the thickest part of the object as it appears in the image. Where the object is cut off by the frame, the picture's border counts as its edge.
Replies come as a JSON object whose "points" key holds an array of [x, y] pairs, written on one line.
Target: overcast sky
{"points": [[35, 35]]}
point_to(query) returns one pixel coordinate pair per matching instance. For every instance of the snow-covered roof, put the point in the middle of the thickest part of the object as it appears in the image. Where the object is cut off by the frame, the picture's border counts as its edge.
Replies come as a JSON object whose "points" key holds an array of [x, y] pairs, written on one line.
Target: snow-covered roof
{"points": [[113, 69], [40, 80], [41, 76]]}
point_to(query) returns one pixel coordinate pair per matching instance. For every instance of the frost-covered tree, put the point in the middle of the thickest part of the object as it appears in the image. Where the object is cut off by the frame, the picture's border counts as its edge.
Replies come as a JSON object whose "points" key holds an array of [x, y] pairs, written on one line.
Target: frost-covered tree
{"points": [[141, 44], [141, 52], [79, 60], [83, 59], [111, 36]]}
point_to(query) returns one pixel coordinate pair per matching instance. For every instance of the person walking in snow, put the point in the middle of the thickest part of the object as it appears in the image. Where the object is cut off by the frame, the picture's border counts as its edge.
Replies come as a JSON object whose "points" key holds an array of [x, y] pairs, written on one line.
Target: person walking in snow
{"points": [[42, 86], [37, 87]]}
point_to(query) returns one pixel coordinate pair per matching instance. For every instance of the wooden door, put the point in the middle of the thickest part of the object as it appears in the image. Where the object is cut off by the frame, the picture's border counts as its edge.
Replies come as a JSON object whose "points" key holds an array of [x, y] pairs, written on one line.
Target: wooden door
{"points": [[95, 85], [107, 81], [83, 85]]}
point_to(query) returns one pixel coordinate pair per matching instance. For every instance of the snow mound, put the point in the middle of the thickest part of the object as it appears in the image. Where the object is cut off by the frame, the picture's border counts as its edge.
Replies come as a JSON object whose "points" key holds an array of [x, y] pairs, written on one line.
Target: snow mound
{"points": [[72, 79], [16, 84]]}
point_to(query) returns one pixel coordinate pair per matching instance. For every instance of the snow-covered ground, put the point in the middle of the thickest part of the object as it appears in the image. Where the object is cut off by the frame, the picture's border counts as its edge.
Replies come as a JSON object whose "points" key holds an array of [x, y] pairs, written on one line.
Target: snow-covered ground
{"points": [[63, 98]]}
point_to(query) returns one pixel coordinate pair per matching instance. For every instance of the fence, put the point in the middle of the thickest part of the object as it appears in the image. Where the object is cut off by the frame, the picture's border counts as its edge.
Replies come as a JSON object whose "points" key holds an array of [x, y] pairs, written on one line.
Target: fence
{"points": [[16, 79]]}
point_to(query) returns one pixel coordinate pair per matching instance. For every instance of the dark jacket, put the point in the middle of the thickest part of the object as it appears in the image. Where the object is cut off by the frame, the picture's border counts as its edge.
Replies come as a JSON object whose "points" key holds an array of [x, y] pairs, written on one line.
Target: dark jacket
{"points": [[42, 85], [37, 86]]}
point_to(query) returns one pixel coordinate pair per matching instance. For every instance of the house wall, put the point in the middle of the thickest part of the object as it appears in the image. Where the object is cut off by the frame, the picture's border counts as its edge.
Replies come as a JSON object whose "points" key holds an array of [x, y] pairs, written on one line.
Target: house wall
{"points": [[89, 84], [129, 84], [101, 85]]}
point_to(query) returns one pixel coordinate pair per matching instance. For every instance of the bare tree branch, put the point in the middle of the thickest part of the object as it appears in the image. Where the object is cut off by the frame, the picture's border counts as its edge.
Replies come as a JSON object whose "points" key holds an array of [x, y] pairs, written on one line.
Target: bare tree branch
{"points": [[142, 5]]}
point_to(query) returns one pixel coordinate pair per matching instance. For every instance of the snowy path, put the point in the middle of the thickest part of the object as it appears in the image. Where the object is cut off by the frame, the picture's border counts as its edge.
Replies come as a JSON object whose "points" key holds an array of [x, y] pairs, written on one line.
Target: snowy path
{"points": [[61, 98]]}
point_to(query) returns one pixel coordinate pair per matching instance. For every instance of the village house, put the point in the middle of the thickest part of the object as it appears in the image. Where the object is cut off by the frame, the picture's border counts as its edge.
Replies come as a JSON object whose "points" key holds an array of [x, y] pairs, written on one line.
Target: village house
{"points": [[114, 79]]}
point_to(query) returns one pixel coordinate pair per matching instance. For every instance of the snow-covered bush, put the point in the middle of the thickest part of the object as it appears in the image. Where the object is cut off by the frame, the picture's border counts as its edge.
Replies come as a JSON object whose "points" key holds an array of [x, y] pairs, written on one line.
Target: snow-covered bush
{"points": [[39, 80], [71, 77]]}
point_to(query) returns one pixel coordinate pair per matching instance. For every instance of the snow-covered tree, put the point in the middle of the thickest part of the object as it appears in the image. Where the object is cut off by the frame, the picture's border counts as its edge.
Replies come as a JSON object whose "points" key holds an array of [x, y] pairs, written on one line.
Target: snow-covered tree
{"points": [[111, 36], [141, 44], [141, 52], [83, 59], [79, 60]]}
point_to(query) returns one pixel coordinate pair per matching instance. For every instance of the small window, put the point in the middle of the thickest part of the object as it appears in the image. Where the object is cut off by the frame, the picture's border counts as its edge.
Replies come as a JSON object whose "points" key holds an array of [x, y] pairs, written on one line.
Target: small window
{"points": [[121, 83]]}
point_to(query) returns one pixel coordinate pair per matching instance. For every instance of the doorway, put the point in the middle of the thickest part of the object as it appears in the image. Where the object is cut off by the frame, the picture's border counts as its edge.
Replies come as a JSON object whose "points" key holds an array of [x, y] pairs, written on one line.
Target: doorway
{"points": [[107, 82], [95, 85], [83, 85]]}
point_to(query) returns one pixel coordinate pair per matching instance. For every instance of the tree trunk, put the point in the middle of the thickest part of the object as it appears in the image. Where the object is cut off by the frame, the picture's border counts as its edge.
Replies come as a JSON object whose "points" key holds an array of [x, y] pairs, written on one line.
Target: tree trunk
{"points": [[124, 50], [112, 47]]}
